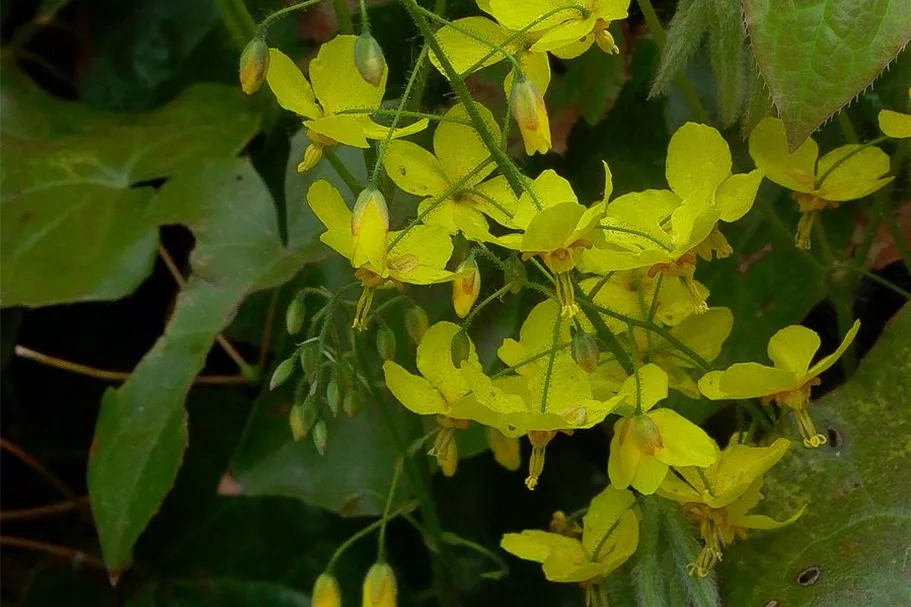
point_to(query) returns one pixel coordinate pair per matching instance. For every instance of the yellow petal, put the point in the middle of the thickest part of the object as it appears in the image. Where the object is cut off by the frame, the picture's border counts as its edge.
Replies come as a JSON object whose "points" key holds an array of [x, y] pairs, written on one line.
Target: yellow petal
{"points": [[550, 228], [705, 333], [550, 189], [895, 124], [574, 33], [675, 488], [562, 557], [698, 160], [376, 131], [517, 15], [336, 81], [536, 67], [343, 128], [736, 194], [709, 385], [506, 449], [434, 361], [751, 380], [574, 48], [430, 247], [624, 456], [793, 348], [329, 206], [650, 473], [370, 241], [604, 511], [769, 149], [829, 360], [684, 443], [459, 147], [495, 199], [413, 391], [464, 51], [759, 521], [291, 89], [740, 467], [855, 177], [651, 383], [414, 169], [608, 182]]}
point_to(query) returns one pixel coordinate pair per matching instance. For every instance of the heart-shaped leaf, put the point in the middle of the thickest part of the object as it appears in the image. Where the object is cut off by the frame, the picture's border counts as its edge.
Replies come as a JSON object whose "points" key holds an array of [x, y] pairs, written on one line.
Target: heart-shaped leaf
{"points": [[817, 55]]}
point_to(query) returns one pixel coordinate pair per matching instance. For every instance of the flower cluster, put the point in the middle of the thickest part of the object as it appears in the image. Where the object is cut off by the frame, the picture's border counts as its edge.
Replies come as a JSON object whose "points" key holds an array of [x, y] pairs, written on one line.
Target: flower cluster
{"points": [[620, 318]]}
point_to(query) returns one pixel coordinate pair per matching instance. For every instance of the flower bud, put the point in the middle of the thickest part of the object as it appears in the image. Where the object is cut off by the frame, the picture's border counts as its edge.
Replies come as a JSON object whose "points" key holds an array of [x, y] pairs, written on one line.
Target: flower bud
{"points": [[370, 216], [320, 436], [333, 397], [416, 323], [380, 589], [446, 451], [646, 434], [294, 315], [585, 351], [368, 58], [352, 404], [466, 287], [254, 63], [302, 418], [459, 348], [312, 155], [385, 343], [281, 374], [530, 113], [326, 592]]}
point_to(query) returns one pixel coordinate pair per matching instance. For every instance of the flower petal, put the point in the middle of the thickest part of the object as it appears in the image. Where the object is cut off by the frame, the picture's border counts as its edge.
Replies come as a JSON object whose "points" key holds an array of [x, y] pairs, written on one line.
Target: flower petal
{"points": [[551, 228], [829, 360], [434, 361], [343, 128], [414, 169], [736, 194], [751, 380], [413, 391], [705, 333], [464, 51], [698, 160], [769, 149], [854, 177], [372, 130], [459, 147], [650, 473], [895, 124], [290, 87], [684, 443], [624, 456], [792, 348], [604, 511], [337, 83]]}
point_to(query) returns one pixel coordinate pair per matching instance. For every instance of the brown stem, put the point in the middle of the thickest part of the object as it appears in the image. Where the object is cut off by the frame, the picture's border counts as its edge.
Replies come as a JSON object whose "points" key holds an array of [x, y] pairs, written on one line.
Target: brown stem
{"points": [[74, 556], [38, 467], [43, 511]]}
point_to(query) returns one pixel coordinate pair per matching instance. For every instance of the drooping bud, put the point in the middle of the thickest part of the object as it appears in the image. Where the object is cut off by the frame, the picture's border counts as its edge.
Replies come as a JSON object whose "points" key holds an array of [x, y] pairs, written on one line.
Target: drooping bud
{"points": [[326, 592], [333, 397], [371, 198], [320, 436], [416, 323], [281, 374], [466, 287], [352, 403], [646, 433], [385, 343], [530, 113], [368, 58], [380, 589], [294, 315], [302, 418], [585, 351], [460, 348], [254, 63], [506, 450], [312, 155]]}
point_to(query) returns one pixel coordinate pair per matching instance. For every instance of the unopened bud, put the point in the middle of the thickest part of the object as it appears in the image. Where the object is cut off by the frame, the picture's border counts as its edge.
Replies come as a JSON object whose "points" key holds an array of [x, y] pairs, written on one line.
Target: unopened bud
{"points": [[320, 436], [385, 343], [302, 418], [333, 397], [371, 199], [416, 323], [312, 155], [368, 58], [460, 348], [294, 315], [646, 434], [380, 589], [530, 113], [466, 287], [516, 275], [351, 403], [281, 374], [585, 351], [326, 592], [254, 63]]}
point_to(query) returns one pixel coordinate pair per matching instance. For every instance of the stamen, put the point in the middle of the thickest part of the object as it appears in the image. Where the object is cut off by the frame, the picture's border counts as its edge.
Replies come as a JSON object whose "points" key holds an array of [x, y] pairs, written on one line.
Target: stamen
{"points": [[804, 229], [692, 293], [811, 438], [364, 302]]}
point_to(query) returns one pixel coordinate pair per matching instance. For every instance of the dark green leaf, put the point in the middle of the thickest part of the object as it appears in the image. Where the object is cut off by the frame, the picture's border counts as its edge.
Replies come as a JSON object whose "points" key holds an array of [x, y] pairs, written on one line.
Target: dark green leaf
{"points": [[817, 55], [856, 530], [141, 432], [684, 36], [77, 223], [726, 42]]}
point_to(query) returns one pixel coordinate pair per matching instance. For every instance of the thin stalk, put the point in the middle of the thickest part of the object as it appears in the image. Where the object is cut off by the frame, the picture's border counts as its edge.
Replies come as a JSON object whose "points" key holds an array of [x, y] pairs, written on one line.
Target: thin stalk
{"points": [[548, 374], [418, 97], [381, 547], [400, 511], [530, 360], [365, 18], [350, 180], [343, 16], [635, 358], [490, 298], [847, 129], [404, 114], [279, 13], [75, 557]]}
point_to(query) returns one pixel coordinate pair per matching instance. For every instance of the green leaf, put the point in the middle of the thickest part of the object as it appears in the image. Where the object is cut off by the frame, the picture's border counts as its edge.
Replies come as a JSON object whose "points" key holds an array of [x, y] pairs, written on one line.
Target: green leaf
{"points": [[591, 84], [141, 432], [726, 42], [856, 530], [358, 463], [817, 55], [684, 36], [224, 592], [77, 222]]}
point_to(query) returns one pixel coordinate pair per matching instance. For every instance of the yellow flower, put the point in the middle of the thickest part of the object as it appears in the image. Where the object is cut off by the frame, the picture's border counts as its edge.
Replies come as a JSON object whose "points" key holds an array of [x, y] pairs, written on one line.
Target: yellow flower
{"points": [[380, 589], [555, 227], [648, 441], [787, 383], [666, 231], [895, 124], [326, 592], [418, 257], [527, 106], [337, 88], [566, 33], [610, 535], [720, 497], [846, 173], [466, 287], [458, 150]]}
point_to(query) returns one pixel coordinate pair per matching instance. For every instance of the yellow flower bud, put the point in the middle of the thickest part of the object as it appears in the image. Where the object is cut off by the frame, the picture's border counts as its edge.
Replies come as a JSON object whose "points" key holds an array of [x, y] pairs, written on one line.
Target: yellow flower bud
{"points": [[585, 351], [326, 592], [352, 403], [506, 450], [416, 323], [369, 198], [254, 63], [646, 434], [368, 58], [530, 113], [466, 287], [380, 589], [302, 418], [312, 155], [459, 348]]}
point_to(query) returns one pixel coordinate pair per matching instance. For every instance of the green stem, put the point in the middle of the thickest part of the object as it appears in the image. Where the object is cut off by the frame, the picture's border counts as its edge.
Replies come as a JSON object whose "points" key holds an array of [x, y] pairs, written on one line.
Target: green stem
{"points": [[417, 99], [509, 170], [686, 87], [365, 18], [600, 285], [343, 16], [877, 279], [404, 114], [238, 21], [456, 540], [844, 121], [395, 120], [400, 511], [530, 360], [281, 12], [635, 358], [490, 298], [350, 180], [381, 547], [638, 233]]}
